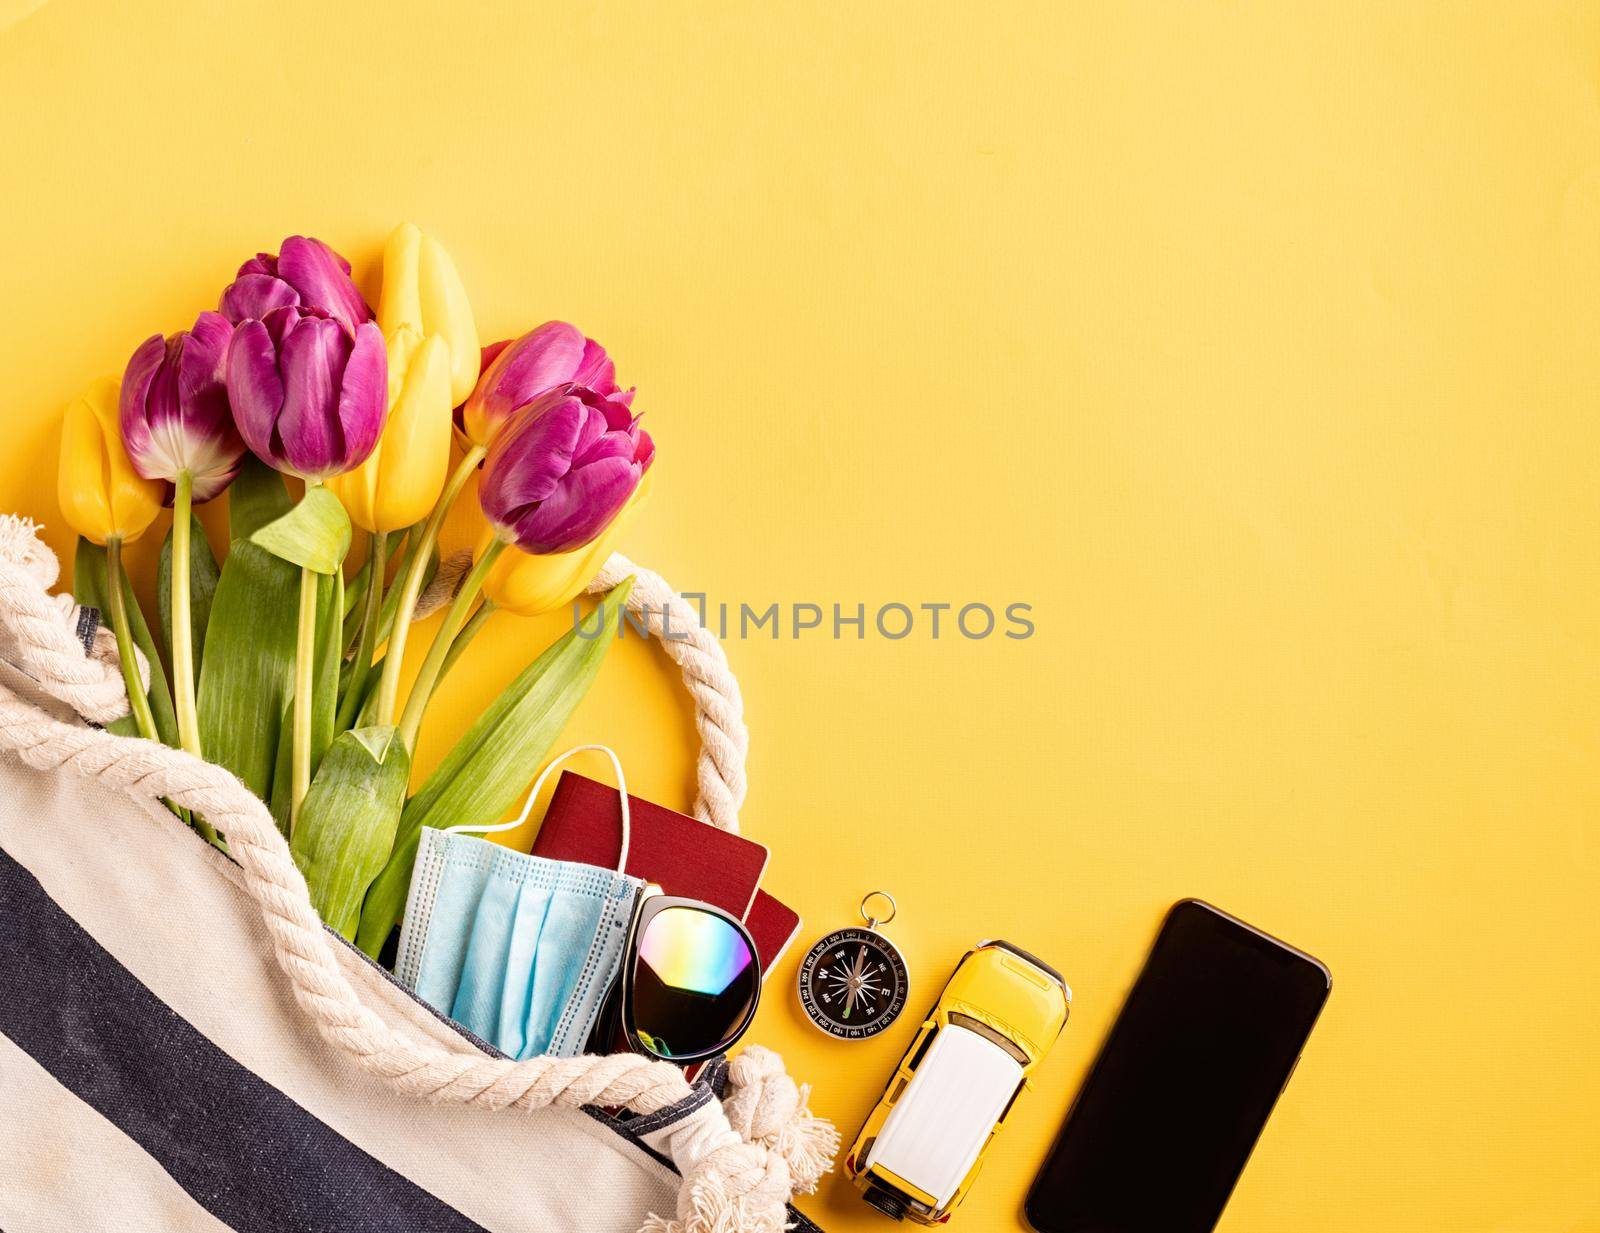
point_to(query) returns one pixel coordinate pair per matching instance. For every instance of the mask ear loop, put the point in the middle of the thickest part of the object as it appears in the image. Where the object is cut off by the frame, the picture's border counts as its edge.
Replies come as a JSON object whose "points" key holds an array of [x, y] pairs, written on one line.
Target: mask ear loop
{"points": [[533, 795]]}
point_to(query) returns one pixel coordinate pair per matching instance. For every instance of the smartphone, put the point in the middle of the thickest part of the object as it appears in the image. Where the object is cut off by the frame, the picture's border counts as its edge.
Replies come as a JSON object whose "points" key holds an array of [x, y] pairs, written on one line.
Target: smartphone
{"points": [[1172, 1107]]}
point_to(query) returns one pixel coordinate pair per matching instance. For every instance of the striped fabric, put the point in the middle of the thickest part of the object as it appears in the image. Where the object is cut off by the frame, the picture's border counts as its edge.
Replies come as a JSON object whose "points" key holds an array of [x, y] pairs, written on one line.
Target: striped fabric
{"points": [[156, 1073]]}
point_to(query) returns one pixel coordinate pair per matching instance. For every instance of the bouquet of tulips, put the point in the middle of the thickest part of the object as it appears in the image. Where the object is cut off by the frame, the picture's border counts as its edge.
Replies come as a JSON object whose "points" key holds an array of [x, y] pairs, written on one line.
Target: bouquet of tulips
{"points": [[280, 669]]}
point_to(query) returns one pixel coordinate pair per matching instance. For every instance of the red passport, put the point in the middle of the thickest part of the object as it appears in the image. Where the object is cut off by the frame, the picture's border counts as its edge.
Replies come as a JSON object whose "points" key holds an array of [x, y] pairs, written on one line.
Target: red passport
{"points": [[772, 925], [683, 856]]}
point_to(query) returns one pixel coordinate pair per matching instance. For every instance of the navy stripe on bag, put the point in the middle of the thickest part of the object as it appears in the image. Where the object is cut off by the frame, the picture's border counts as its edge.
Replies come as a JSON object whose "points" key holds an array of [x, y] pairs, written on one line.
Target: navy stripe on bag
{"points": [[242, 1149]]}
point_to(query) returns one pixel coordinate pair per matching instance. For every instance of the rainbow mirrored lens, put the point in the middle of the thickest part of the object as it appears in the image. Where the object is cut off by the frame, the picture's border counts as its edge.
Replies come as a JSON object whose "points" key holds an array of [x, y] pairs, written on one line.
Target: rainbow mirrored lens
{"points": [[695, 983], [694, 951]]}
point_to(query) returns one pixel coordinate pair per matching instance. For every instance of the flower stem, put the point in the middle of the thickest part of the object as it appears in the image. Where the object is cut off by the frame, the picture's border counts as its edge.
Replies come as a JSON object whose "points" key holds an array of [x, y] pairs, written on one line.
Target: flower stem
{"points": [[138, 700], [355, 591], [183, 617], [305, 654], [411, 587], [376, 558], [433, 666]]}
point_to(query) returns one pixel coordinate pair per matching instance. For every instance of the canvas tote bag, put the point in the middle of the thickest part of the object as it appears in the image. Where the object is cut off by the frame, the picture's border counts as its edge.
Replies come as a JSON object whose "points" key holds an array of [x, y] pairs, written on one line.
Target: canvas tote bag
{"points": [[185, 1048]]}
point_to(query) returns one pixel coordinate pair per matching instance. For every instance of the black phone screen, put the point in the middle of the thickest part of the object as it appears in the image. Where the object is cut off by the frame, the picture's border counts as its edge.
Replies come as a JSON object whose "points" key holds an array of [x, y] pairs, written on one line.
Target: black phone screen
{"points": [[1183, 1085]]}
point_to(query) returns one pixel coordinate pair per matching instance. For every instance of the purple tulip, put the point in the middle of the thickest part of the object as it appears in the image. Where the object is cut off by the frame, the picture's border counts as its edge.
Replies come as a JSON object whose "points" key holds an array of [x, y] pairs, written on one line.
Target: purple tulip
{"points": [[308, 396], [306, 273], [563, 468], [174, 408], [516, 373]]}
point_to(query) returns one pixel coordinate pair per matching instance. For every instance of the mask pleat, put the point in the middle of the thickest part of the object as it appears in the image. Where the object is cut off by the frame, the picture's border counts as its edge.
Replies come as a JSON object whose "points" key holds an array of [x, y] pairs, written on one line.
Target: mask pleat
{"points": [[483, 974], [522, 1034], [570, 931]]}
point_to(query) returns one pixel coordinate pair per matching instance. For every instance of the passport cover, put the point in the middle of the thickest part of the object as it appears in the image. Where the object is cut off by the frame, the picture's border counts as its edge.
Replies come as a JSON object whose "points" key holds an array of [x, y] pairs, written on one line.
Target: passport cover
{"points": [[772, 924], [683, 856]]}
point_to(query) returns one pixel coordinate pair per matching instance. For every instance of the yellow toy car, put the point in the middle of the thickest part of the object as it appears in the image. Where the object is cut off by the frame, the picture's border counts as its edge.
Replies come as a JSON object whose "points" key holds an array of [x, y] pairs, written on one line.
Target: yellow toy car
{"points": [[921, 1148]]}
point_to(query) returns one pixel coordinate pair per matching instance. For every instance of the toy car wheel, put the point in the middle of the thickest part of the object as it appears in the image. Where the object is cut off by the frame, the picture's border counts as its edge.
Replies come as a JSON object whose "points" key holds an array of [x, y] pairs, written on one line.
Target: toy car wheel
{"points": [[891, 1205]]}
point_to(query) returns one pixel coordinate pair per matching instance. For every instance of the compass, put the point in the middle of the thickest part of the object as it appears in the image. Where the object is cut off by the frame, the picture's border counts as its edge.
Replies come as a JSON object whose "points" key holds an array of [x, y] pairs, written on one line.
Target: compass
{"points": [[853, 982]]}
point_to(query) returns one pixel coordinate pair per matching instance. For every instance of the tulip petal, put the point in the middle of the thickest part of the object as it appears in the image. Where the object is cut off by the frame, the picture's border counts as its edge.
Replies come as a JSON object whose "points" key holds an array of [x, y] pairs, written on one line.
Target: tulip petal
{"points": [[399, 302], [363, 395], [591, 431], [530, 457], [261, 263], [447, 311], [491, 353], [255, 389], [595, 369], [204, 350], [211, 448], [582, 505], [607, 445], [416, 438], [542, 358], [608, 430], [618, 412], [99, 491], [308, 434], [252, 296], [137, 379], [322, 278], [81, 489], [555, 354], [163, 412]]}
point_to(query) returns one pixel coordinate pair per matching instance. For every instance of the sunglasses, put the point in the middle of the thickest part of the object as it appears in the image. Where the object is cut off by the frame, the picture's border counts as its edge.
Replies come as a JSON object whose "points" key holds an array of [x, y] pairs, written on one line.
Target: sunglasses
{"points": [[689, 983]]}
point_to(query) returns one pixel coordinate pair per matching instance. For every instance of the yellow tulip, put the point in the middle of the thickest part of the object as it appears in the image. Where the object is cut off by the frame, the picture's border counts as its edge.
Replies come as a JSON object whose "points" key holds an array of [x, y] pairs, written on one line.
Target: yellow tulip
{"points": [[102, 497], [401, 479], [526, 584], [423, 292], [105, 500]]}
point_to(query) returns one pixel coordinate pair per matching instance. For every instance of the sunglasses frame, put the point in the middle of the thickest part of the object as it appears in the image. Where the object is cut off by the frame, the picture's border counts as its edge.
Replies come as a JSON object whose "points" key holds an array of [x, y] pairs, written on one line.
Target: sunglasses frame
{"points": [[619, 1009]]}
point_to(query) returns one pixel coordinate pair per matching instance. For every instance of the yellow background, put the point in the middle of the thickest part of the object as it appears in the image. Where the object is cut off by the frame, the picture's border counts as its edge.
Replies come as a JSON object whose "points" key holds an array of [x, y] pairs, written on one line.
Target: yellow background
{"points": [[1253, 344]]}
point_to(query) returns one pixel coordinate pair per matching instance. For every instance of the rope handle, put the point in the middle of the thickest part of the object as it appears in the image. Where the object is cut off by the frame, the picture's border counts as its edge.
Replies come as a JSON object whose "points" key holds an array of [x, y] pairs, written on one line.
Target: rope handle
{"points": [[733, 1182], [43, 633]]}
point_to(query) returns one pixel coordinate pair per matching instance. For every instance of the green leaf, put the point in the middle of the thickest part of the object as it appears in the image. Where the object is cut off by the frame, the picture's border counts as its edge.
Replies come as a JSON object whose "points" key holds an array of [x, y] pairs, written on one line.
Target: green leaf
{"points": [[256, 497], [89, 587], [248, 671], [283, 767], [348, 820], [489, 767], [369, 696], [315, 534], [202, 586], [324, 699]]}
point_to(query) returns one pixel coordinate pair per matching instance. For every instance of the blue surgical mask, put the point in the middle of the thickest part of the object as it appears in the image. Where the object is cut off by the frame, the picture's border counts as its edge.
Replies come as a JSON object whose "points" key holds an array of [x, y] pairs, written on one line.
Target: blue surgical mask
{"points": [[518, 949]]}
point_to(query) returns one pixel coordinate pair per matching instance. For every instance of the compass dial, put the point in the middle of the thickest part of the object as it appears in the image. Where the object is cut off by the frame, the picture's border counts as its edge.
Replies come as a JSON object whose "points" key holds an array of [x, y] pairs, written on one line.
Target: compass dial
{"points": [[853, 983]]}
